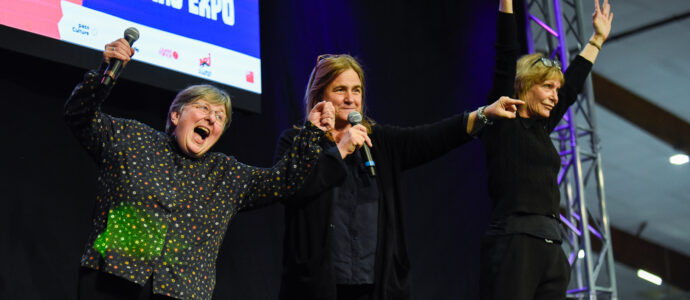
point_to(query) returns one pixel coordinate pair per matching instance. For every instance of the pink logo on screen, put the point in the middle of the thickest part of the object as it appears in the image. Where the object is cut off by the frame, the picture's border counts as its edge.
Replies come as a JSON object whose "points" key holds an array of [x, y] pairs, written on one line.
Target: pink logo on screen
{"points": [[205, 61], [169, 53], [249, 76], [205, 65]]}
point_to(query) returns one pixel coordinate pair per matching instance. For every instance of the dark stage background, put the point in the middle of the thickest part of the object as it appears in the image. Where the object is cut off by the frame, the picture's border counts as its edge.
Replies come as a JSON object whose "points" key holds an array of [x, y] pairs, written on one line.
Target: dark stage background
{"points": [[425, 60]]}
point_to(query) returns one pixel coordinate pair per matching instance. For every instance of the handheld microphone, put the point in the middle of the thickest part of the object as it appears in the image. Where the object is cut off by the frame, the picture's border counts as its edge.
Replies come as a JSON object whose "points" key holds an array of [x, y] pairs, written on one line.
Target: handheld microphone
{"points": [[356, 118], [115, 67]]}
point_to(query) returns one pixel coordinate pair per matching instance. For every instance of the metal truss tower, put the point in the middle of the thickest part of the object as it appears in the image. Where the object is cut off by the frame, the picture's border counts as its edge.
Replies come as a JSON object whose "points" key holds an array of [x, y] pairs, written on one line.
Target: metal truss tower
{"points": [[552, 25]]}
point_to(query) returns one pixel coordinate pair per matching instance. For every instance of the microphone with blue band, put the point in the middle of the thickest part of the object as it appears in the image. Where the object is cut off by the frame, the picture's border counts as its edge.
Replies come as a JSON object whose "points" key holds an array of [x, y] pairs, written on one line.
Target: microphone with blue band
{"points": [[355, 118]]}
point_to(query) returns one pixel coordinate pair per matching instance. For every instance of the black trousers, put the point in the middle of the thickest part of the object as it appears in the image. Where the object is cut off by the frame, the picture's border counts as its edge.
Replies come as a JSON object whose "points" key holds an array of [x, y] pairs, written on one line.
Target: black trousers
{"points": [[522, 267], [97, 285], [355, 291]]}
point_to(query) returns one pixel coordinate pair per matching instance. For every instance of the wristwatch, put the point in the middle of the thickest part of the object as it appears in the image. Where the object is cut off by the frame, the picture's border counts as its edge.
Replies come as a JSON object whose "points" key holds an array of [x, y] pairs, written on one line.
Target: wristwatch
{"points": [[482, 117]]}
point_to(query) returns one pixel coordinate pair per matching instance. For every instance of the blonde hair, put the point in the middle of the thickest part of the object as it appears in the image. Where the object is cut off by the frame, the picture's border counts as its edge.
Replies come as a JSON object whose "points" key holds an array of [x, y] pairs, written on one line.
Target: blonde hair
{"points": [[327, 68], [193, 93], [531, 72]]}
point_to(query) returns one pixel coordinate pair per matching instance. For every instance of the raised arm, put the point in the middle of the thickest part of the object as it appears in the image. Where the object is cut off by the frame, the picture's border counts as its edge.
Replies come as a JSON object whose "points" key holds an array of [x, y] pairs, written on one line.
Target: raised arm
{"points": [[601, 21], [506, 53], [580, 67], [506, 47], [83, 108]]}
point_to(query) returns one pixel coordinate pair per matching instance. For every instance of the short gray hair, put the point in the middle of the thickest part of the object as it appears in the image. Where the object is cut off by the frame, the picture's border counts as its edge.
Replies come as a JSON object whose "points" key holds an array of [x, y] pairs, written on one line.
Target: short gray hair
{"points": [[193, 93]]}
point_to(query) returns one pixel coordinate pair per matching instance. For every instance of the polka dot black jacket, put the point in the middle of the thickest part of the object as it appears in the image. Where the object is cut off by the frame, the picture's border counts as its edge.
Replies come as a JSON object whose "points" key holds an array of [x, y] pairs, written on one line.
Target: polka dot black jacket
{"points": [[161, 213]]}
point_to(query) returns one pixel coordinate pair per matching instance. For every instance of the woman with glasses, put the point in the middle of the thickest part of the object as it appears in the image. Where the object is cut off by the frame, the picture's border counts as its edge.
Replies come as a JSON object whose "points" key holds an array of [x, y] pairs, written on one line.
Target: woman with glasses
{"points": [[164, 201], [521, 253], [347, 242]]}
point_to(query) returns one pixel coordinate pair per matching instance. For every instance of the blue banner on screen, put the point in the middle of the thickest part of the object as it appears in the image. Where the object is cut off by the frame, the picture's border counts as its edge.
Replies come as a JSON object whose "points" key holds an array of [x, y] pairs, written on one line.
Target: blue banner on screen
{"points": [[232, 24], [216, 40]]}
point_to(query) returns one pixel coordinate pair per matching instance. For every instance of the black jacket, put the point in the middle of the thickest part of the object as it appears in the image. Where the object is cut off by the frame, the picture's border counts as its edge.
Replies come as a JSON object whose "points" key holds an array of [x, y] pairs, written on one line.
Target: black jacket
{"points": [[307, 267], [158, 212], [522, 162]]}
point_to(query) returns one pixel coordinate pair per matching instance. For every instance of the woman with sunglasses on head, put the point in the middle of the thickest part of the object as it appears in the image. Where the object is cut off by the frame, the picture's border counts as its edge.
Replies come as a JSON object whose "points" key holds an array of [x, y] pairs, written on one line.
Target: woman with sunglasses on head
{"points": [[164, 200], [521, 253], [347, 241]]}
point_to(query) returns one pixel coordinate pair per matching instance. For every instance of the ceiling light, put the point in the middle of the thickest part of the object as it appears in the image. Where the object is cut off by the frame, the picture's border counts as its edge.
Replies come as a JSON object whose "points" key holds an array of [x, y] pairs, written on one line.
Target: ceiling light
{"points": [[678, 159], [581, 254], [649, 277]]}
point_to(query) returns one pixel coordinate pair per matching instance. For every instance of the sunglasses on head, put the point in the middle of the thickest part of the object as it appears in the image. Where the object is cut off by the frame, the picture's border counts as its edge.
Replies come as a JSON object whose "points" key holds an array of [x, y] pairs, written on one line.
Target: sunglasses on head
{"points": [[323, 56], [547, 62]]}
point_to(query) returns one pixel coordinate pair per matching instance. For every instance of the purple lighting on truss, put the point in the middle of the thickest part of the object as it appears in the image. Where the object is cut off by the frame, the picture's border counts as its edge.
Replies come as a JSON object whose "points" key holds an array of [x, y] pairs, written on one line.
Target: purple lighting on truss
{"points": [[591, 229], [570, 225], [595, 232], [580, 290], [543, 25], [571, 258], [577, 231]]}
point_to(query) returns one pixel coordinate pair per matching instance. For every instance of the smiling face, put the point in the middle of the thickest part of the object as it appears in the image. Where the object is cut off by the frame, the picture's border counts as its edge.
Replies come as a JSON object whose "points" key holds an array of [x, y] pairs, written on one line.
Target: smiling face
{"points": [[537, 81], [540, 99], [345, 92], [198, 126]]}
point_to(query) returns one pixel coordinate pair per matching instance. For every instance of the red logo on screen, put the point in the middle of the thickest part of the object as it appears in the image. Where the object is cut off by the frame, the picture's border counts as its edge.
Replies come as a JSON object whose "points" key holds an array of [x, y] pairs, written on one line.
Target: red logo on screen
{"points": [[205, 61], [205, 66], [169, 53], [249, 77]]}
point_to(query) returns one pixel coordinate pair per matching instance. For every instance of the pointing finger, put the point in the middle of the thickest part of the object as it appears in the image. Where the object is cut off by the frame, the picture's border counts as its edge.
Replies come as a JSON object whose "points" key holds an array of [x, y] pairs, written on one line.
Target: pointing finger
{"points": [[511, 101]]}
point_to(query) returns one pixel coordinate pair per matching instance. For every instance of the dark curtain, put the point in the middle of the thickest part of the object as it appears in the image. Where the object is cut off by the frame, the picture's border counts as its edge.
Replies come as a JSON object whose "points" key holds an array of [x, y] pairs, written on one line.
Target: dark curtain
{"points": [[424, 60]]}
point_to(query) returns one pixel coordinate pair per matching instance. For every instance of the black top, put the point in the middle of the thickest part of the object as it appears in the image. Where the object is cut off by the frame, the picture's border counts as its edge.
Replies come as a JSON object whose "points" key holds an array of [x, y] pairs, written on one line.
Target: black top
{"points": [[522, 162], [355, 214], [308, 270], [161, 213]]}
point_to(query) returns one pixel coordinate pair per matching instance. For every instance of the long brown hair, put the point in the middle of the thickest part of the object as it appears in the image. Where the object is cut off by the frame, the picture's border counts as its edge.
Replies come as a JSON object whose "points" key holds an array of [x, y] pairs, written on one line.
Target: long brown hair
{"points": [[328, 67]]}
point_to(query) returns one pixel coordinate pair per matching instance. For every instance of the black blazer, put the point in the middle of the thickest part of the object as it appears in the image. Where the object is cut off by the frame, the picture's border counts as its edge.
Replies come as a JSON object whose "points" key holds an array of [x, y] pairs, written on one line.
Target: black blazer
{"points": [[307, 267]]}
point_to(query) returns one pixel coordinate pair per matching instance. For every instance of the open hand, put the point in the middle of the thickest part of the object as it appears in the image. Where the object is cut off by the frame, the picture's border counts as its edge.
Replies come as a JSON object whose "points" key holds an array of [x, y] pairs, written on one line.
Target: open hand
{"points": [[601, 20]]}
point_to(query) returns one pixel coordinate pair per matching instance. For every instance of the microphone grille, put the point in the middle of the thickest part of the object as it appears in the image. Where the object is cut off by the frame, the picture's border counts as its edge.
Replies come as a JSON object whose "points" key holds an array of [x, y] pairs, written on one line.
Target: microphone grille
{"points": [[354, 118], [132, 33]]}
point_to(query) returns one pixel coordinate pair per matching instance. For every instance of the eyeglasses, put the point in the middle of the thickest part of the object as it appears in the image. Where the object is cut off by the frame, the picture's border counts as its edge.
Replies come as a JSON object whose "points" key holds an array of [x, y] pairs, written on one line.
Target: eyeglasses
{"points": [[547, 62], [206, 110]]}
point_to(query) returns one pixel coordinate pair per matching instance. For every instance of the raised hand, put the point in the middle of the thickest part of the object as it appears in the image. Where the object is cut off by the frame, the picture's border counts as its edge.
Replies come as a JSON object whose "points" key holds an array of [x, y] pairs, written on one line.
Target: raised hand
{"points": [[504, 107], [118, 49], [323, 115], [353, 138], [601, 20]]}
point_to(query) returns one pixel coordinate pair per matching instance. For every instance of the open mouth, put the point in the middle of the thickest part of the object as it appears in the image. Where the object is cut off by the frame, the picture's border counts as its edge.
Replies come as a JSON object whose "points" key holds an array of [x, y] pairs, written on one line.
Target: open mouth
{"points": [[202, 131]]}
